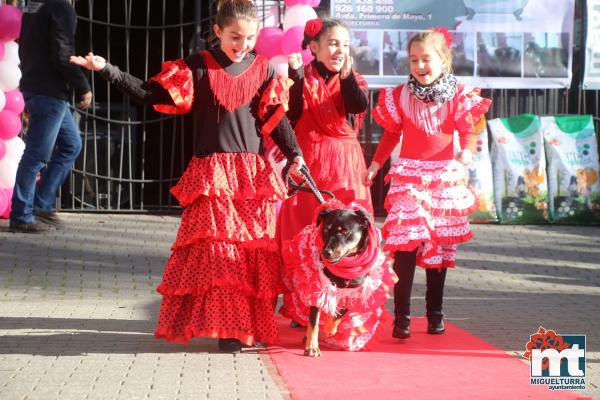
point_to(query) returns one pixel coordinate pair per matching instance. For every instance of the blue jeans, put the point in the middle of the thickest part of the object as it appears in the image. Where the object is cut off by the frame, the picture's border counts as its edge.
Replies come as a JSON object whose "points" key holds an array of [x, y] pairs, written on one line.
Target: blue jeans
{"points": [[53, 141]]}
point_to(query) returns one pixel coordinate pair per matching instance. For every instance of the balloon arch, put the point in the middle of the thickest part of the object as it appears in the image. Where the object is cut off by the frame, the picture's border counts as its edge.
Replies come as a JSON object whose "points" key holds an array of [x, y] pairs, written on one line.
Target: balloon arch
{"points": [[11, 104]]}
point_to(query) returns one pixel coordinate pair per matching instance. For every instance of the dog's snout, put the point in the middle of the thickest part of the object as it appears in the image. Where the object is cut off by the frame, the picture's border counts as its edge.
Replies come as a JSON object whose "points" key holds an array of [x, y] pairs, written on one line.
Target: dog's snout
{"points": [[327, 252]]}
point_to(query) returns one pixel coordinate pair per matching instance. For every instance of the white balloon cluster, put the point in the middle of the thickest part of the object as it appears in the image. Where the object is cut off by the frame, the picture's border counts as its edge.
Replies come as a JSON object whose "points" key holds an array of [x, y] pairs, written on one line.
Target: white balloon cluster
{"points": [[277, 44], [11, 105]]}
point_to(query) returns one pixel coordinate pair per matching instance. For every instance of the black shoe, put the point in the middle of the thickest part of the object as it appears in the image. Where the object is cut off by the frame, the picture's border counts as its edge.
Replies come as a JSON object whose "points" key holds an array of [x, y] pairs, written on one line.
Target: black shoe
{"points": [[401, 327], [435, 325], [29, 227], [230, 345], [49, 218]]}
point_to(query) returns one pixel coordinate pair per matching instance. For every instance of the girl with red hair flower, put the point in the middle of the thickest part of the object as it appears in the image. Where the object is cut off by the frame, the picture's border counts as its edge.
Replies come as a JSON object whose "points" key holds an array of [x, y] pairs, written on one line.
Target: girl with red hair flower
{"points": [[328, 101]]}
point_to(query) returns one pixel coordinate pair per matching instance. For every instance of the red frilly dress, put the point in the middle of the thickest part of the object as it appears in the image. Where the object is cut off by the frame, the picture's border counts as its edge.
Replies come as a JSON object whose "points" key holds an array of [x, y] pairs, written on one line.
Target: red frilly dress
{"points": [[428, 202], [223, 276], [360, 326], [331, 151]]}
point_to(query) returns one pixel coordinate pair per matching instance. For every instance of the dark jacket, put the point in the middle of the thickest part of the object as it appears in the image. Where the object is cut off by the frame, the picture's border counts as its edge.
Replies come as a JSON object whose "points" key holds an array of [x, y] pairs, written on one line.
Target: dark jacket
{"points": [[45, 45]]}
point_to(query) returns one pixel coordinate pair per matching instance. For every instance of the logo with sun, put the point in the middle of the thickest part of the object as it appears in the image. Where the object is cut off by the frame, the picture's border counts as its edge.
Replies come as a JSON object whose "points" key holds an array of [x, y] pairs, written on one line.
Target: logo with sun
{"points": [[545, 339]]}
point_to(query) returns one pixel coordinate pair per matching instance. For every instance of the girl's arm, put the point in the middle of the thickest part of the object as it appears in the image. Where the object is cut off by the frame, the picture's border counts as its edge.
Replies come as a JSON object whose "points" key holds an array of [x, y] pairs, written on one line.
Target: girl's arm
{"points": [[470, 120], [170, 92], [296, 74], [149, 93], [386, 114], [388, 142], [354, 93], [355, 97]]}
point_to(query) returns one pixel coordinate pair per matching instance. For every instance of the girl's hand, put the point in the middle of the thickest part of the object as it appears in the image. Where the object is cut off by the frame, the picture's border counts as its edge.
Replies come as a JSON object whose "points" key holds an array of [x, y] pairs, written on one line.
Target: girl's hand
{"points": [[296, 167], [370, 173], [91, 61], [295, 60], [347, 67], [465, 156]]}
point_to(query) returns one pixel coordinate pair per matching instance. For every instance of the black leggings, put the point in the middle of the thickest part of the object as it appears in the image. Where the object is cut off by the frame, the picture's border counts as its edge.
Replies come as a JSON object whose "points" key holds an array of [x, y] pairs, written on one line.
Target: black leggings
{"points": [[404, 266]]}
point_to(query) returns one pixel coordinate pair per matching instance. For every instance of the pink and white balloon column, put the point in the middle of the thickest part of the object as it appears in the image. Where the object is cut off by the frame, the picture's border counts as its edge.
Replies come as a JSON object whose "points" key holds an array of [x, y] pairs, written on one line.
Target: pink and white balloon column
{"points": [[11, 105], [277, 44]]}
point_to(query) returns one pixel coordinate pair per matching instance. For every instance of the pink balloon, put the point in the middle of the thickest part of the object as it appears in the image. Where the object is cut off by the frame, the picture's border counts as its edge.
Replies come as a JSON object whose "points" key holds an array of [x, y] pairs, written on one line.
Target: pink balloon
{"points": [[8, 194], [10, 23], [298, 16], [14, 101], [2, 150], [292, 40], [291, 3], [307, 56], [314, 3], [1, 50], [10, 124], [268, 42]]}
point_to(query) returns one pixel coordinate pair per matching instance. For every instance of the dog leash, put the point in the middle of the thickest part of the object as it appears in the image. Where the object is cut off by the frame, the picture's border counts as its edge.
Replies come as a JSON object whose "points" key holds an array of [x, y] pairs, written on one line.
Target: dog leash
{"points": [[295, 187]]}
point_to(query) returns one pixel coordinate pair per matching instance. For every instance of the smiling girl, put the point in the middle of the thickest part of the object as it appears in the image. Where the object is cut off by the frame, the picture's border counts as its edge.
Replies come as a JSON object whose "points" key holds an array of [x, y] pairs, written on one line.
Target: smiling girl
{"points": [[428, 202], [222, 279], [328, 101]]}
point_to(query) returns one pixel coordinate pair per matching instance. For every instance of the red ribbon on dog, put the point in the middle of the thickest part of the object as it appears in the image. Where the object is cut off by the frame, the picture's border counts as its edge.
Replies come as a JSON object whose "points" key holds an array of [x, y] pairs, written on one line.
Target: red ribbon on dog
{"points": [[351, 267]]}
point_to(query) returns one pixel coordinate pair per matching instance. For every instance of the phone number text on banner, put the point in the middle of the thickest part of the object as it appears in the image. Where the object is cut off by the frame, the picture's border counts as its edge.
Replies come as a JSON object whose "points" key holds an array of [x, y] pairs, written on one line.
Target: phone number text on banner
{"points": [[497, 43]]}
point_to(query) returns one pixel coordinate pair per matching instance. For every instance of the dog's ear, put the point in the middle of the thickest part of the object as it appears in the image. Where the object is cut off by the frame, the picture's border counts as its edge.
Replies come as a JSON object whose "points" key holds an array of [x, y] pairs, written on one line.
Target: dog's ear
{"points": [[323, 214], [364, 215]]}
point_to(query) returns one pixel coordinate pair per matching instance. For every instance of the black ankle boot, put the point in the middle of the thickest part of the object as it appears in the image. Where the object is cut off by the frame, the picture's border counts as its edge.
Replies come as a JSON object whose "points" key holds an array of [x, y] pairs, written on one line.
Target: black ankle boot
{"points": [[401, 327], [230, 345], [435, 324]]}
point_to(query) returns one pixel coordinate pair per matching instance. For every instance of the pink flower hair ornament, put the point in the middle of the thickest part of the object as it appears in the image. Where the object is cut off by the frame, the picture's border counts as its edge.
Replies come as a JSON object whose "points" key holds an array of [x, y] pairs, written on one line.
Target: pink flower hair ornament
{"points": [[313, 27], [446, 33]]}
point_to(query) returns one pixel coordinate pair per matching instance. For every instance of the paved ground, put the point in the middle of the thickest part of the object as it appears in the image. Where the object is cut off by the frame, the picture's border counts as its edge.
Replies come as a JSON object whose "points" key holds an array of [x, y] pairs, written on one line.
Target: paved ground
{"points": [[78, 308]]}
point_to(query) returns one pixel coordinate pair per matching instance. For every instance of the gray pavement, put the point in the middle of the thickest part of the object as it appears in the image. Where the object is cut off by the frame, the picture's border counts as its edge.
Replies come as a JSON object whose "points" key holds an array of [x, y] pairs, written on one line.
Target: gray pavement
{"points": [[78, 309]]}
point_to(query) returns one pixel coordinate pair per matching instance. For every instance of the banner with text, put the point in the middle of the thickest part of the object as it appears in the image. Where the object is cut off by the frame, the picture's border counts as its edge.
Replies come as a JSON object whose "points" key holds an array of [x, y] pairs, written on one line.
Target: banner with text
{"points": [[591, 77], [497, 43]]}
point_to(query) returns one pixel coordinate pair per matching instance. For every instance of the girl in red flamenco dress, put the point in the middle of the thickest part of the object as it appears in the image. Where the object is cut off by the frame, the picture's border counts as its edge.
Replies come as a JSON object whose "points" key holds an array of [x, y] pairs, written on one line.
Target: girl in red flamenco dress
{"points": [[223, 277], [328, 101], [428, 202]]}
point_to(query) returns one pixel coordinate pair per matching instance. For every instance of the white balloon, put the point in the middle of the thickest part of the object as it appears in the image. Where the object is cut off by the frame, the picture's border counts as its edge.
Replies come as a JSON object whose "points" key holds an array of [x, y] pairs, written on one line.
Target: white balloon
{"points": [[11, 52], [2, 100], [14, 149], [10, 75], [8, 172], [298, 15], [280, 63]]}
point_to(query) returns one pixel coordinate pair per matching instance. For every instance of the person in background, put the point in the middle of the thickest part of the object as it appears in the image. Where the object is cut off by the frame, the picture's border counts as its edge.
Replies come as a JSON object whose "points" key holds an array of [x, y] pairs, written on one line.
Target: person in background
{"points": [[53, 141]]}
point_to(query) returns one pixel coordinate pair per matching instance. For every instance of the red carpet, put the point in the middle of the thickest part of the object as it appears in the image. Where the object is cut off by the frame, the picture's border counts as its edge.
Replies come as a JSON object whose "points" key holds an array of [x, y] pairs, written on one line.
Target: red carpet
{"points": [[456, 365]]}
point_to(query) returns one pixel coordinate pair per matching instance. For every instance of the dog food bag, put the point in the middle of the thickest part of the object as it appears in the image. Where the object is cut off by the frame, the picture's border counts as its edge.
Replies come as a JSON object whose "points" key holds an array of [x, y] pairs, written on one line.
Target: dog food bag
{"points": [[519, 165], [479, 175], [573, 171]]}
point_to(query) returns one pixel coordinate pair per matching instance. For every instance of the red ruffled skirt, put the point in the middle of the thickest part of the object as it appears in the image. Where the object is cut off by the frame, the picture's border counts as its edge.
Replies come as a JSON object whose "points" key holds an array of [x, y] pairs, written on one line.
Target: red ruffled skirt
{"points": [[361, 325], [223, 276], [428, 206]]}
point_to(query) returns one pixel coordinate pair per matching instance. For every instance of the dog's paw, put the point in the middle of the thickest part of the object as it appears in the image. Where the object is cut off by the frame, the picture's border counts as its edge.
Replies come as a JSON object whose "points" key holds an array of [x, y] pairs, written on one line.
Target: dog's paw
{"points": [[312, 352]]}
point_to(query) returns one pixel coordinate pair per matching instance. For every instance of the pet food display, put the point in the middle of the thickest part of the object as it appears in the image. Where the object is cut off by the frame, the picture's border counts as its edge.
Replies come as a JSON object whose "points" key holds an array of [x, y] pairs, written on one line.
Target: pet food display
{"points": [[574, 187], [519, 165], [479, 177]]}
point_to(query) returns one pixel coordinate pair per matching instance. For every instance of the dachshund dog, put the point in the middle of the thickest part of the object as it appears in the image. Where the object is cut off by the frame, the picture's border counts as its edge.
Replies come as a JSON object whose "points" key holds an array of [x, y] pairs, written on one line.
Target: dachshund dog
{"points": [[344, 233]]}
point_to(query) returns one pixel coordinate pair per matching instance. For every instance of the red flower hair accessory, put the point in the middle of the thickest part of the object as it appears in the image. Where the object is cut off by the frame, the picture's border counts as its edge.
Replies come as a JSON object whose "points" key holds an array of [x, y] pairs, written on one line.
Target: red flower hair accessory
{"points": [[446, 33], [313, 27]]}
